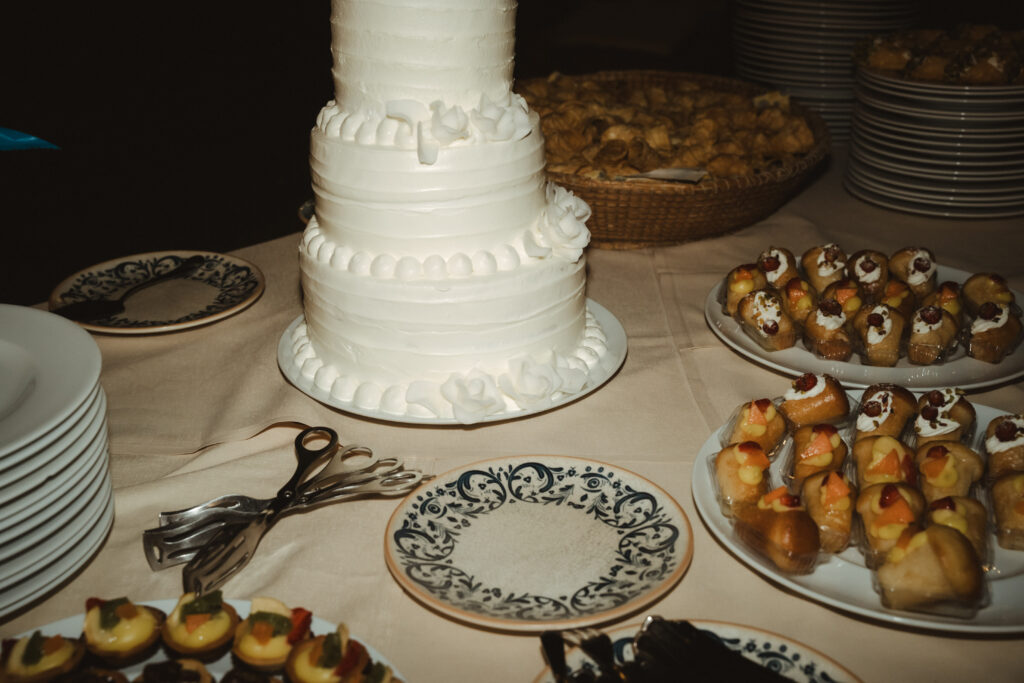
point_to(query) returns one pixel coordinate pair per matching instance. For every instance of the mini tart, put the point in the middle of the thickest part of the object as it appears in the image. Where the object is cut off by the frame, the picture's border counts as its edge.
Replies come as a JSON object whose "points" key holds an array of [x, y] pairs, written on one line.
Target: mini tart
{"points": [[914, 266], [815, 398], [334, 658], [880, 329], [1008, 506], [967, 516], [763, 318], [1004, 443], [817, 448], [823, 265], [934, 333], [883, 460], [38, 658], [120, 632], [739, 282], [263, 640], [829, 499], [778, 265], [885, 410], [201, 628], [943, 415], [175, 671], [870, 270], [994, 334], [799, 299], [825, 333], [778, 527], [937, 565], [981, 288], [947, 468], [761, 422]]}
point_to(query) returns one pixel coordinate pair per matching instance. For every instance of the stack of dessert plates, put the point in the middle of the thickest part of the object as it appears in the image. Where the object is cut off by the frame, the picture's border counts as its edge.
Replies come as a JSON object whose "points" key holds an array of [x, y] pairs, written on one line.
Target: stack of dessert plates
{"points": [[937, 149], [804, 48], [56, 498]]}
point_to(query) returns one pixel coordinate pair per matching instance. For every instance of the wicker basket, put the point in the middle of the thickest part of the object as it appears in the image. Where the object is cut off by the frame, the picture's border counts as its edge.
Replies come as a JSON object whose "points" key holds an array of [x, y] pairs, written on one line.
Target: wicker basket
{"points": [[630, 215]]}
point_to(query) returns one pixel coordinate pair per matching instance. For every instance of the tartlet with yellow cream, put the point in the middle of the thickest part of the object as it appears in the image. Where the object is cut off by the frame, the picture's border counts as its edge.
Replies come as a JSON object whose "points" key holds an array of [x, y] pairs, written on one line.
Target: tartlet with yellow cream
{"points": [[37, 658], [264, 639], [200, 626], [120, 632]]}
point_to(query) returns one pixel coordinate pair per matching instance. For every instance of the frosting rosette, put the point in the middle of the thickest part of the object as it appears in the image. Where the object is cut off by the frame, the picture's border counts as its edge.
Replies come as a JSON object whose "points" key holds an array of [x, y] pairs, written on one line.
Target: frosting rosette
{"points": [[473, 396], [534, 384], [562, 229]]}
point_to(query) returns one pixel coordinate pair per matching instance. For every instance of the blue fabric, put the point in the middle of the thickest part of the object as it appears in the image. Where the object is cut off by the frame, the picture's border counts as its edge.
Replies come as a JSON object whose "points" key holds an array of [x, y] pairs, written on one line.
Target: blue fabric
{"points": [[12, 139]]}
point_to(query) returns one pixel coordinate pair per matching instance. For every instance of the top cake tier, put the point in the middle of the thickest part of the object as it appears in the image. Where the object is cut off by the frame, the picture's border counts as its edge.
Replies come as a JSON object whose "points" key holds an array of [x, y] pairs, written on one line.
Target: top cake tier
{"points": [[454, 51]]}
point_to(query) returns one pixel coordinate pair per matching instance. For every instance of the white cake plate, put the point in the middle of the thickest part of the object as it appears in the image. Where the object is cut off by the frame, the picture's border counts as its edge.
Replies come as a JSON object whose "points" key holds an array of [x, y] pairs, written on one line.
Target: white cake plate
{"points": [[605, 369]]}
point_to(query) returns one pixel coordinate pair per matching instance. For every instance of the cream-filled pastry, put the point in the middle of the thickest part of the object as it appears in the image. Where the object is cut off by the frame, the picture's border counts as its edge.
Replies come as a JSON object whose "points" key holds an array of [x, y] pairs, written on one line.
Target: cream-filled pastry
{"points": [[885, 410], [947, 468], [823, 265], [1004, 443], [829, 498], [943, 415]]}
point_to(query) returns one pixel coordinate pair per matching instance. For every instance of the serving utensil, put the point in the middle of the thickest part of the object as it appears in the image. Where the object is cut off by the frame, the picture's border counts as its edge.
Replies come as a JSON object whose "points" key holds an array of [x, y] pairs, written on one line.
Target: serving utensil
{"points": [[679, 175], [100, 309]]}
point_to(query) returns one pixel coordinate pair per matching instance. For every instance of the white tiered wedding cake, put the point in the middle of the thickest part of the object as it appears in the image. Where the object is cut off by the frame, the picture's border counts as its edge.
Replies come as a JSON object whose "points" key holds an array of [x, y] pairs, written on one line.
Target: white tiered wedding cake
{"points": [[443, 276]]}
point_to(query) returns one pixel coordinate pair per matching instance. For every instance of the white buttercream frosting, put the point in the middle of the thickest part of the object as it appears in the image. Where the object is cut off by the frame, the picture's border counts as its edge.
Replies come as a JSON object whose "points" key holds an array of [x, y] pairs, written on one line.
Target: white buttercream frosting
{"points": [[867, 423], [922, 326], [917, 277], [766, 309], [942, 423], [784, 265], [829, 322], [877, 333], [868, 276], [982, 325], [994, 445], [793, 393], [826, 267]]}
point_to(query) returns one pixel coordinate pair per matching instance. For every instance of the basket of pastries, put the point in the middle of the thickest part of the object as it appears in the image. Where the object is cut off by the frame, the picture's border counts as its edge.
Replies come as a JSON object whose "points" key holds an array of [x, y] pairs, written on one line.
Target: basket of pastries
{"points": [[757, 149]]}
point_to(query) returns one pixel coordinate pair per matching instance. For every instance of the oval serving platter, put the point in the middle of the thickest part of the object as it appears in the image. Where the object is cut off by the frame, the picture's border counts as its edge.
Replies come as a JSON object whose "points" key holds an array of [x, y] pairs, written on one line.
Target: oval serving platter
{"points": [[530, 543]]}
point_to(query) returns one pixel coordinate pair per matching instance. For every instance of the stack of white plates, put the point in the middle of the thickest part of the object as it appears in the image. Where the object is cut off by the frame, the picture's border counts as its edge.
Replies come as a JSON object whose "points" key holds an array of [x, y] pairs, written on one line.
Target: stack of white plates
{"points": [[56, 498], [938, 149], [805, 48]]}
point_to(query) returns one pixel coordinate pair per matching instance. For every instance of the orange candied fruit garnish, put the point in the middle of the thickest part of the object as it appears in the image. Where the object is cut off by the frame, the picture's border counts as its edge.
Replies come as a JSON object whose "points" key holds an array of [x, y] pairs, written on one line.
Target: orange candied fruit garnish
{"points": [[895, 288], [933, 465], [744, 273], [775, 494], [194, 621], [753, 455], [53, 644], [898, 512], [836, 488], [819, 445], [127, 610], [888, 465], [842, 295], [262, 631], [755, 416]]}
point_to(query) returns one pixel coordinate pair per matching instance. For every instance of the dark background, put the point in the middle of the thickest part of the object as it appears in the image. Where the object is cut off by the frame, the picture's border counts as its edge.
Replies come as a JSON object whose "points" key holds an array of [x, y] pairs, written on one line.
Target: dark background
{"points": [[187, 127]]}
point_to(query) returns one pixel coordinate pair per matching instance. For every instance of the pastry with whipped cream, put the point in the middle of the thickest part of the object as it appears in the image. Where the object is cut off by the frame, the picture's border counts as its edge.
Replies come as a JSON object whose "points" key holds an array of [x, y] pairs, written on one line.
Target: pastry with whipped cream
{"points": [[880, 331], [763, 318], [967, 516], [848, 293], [915, 266], [981, 288], [200, 627], [778, 265], [1008, 506], [949, 298], [943, 415], [947, 468], [739, 282], [817, 448], [994, 333], [815, 398], [934, 334], [799, 299], [885, 512], [443, 275], [885, 410], [825, 332], [264, 639], [741, 472], [823, 265], [936, 566], [778, 527], [37, 658], [120, 632], [1004, 443], [829, 497], [335, 658], [761, 422], [883, 460], [870, 270]]}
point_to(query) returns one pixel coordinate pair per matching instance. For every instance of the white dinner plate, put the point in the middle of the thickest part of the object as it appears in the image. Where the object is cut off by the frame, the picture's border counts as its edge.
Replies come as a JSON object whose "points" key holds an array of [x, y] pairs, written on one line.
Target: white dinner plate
{"points": [[66, 368], [71, 627], [531, 543], [844, 582], [784, 656], [962, 371], [908, 206], [917, 190], [222, 286], [608, 365]]}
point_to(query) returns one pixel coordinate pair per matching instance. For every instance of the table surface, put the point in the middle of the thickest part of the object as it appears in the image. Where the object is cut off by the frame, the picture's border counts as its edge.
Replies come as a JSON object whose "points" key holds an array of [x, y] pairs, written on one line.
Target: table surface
{"points": [[206, 411]]}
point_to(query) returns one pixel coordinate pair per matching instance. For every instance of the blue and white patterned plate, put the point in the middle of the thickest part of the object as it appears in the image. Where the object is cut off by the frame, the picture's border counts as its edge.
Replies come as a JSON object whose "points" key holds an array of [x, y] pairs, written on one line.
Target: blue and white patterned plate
{"points": [[786, 657], [222, 286], [530, 543]]}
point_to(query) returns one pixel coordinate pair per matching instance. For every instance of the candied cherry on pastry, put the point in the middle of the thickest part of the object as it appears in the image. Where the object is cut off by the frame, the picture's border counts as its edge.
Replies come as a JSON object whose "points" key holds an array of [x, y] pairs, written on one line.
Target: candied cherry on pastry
{"points": [[759, 421], [982, 288], [816, 448], [933, 335], [967, 516], [915, 266], [823, 265], [886, 510], [849, 295], [263, 639], [36, 658], [120, 632], [947, 296], [1004, 443], [799, 299], [778, 265], [936, 565], [870, 271], [943, 415], [814, 398], [201, 627], [883, 460], [741, 471], [947, 468], [175, 671], [885, 410], [779, 528], [898, 295], [739, 282], [762, 317], [829, 499], [1008, 508], [825, 334], [880, 329], [994, 334]]}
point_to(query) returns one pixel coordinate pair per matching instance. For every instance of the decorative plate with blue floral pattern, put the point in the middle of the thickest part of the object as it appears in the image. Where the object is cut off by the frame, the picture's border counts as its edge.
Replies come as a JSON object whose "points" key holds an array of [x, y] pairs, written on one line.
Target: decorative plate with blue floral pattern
{"points": [[530, 543], [222, 286]]}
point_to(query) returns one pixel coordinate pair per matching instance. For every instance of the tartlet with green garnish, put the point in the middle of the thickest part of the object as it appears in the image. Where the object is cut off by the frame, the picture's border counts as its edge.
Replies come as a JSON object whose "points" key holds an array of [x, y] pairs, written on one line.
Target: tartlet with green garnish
{"points": [[264, 639], [120, 632], [38, 658], [200, 626], [335, 658]]}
